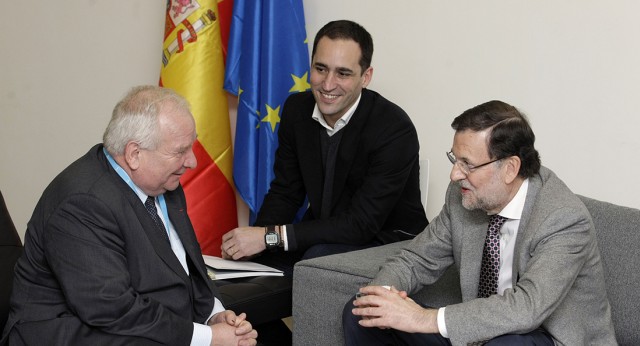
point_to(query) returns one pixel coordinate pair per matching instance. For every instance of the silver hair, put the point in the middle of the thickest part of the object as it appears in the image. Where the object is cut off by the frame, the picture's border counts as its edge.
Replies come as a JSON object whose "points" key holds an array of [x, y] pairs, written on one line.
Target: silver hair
{"points": [[135, 117]]}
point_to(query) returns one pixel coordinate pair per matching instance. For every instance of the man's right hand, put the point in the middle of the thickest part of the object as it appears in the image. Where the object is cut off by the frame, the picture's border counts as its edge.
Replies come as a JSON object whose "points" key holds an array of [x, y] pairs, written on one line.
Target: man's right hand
{"points": [[390, 308], [241, 334]]}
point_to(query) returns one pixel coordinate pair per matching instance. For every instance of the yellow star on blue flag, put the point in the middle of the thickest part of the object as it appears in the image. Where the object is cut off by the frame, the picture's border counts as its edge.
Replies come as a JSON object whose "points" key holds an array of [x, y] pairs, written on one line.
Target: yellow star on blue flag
{"points": [[300, 84], [272, 117]]}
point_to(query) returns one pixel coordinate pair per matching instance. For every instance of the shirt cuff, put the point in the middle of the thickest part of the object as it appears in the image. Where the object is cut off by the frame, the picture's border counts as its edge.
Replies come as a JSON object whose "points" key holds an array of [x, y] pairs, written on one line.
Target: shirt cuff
{"points": [[217, 307], [202, 334], [290, 238], [442, 327], [284, 237]]}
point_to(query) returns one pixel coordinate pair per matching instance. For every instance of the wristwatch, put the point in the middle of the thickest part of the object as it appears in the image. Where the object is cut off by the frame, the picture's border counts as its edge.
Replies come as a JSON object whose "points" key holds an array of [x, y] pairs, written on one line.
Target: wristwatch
{"points": [[271, 238]]}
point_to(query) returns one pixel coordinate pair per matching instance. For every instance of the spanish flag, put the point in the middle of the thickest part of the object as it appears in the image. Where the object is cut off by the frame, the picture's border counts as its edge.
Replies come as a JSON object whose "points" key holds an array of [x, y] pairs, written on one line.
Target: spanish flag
{"points": [[193, 66]]}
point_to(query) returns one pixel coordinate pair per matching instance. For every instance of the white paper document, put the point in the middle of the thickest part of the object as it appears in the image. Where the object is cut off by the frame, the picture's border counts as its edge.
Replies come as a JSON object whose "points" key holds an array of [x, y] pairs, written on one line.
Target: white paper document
{"points": [[220, 269]]}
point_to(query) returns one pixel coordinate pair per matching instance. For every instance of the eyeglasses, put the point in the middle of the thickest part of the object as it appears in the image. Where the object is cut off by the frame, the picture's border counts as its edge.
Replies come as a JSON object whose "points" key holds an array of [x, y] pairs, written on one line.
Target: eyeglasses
{"points": [[465, 167]]}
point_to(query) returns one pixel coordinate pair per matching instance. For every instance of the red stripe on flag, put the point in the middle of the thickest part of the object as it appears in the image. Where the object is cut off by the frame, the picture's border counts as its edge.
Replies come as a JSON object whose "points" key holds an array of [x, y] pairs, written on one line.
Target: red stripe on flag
{"points": [[225, 10], [208, 193]]}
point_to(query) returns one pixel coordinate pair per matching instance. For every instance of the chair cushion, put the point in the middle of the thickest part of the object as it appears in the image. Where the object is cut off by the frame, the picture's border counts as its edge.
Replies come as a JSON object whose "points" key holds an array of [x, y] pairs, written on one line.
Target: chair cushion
{"points": [[263, 298], [618, 233]]}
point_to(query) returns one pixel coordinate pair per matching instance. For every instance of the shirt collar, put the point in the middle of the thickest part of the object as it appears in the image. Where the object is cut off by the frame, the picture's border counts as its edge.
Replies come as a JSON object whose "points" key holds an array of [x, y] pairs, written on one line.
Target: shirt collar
{"points": [[514, 209], [342, 122], [143, 196]]}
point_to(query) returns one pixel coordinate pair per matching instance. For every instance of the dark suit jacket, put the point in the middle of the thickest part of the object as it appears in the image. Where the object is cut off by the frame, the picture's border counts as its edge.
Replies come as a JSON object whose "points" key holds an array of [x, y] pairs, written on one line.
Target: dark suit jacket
{"points": [[376, 188], [10, 250], [97, 271], [557, 278]]}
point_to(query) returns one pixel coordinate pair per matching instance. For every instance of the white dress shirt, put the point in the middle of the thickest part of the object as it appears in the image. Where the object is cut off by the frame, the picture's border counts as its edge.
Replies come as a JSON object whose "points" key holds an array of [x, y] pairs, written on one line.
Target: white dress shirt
{"points": [[342, 122]]}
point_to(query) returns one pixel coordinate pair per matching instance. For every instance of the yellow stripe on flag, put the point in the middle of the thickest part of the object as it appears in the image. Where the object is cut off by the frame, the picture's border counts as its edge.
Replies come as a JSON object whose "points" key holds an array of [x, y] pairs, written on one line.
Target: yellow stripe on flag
{"points": [[193, 66]]}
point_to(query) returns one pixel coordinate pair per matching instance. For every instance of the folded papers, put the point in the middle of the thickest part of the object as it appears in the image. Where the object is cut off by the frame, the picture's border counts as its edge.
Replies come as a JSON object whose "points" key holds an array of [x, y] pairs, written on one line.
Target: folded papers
{"points": [[221, 269]]}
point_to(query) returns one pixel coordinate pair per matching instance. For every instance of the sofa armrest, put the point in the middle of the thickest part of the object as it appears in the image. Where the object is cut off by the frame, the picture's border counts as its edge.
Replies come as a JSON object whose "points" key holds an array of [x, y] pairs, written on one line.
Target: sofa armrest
{"points": [[322, 286]]}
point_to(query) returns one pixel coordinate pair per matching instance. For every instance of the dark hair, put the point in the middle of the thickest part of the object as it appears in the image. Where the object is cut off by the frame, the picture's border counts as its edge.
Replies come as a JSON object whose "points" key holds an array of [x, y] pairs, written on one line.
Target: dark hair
{"points": [[510, 134], [348, 30]]}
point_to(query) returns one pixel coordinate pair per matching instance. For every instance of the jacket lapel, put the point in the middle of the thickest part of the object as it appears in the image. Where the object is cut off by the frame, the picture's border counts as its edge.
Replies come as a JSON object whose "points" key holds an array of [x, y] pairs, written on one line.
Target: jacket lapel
{"points": [[182, 226], [348, 147], [157, 239], [535, 184], [474, 234], [308, 139]]}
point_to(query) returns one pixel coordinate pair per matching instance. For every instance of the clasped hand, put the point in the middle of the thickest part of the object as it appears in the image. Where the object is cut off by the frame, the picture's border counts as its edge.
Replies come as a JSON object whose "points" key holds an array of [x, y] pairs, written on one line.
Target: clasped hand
{"points": [[231, 329]]}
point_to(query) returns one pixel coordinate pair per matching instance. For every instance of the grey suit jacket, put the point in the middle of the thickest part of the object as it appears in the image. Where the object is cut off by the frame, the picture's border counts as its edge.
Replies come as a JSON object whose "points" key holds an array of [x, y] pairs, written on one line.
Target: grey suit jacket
{"points": [[558, 280], [97, 271]]}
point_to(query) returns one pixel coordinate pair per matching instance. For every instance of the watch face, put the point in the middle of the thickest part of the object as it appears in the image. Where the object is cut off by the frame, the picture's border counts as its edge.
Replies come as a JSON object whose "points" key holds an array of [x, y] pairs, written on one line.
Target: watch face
{"points": [[271, 238]]}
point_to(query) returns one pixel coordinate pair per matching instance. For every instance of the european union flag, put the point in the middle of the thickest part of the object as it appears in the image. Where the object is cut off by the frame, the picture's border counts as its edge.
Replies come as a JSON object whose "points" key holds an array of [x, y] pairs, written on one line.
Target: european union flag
{"points": [[267, 59]]}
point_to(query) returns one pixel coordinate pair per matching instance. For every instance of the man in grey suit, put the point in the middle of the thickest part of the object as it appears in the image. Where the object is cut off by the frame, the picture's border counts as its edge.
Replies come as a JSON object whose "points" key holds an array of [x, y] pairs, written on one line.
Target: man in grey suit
{"points": [[110, 255], [546, 285]]}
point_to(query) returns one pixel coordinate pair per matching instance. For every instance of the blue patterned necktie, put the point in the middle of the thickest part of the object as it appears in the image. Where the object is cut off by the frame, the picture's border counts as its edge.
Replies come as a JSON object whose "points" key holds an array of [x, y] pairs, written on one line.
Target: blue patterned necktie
{"points": [[491, 258], [150, 205]]}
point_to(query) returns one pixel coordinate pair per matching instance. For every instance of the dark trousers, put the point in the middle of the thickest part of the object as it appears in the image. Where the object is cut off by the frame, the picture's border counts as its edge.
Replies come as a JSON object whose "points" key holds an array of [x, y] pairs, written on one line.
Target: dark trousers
{"points": [[354, 334]]}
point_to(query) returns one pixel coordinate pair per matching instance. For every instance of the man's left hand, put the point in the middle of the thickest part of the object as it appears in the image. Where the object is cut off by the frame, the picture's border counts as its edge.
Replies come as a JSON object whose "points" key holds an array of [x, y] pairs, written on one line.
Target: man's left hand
{"points": [[229, 317], [229, 328]]}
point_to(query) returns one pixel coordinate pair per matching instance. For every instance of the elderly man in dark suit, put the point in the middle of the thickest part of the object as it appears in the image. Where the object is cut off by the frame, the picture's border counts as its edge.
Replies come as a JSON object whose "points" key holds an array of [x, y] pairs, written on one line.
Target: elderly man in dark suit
{"points": [[110, 255], [523, 243], [350, 151]]}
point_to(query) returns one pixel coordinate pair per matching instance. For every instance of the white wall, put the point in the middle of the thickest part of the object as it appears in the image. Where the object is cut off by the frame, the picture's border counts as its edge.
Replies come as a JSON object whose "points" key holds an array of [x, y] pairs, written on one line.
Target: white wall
{"points": [[570, 65], [63, 66]]}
